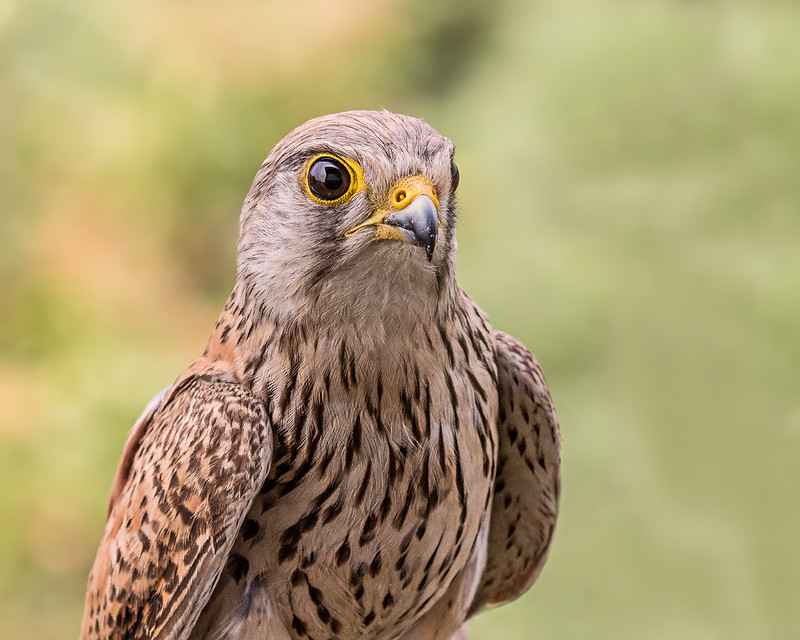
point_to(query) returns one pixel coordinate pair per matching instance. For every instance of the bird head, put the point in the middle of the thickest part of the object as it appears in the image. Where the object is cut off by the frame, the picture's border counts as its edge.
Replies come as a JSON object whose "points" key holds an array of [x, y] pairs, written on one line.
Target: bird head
{"points": [[354, 210]]}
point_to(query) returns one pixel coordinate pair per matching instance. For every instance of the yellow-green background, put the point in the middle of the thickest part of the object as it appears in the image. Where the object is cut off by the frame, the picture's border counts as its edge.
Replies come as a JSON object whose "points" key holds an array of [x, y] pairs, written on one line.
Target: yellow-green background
{"points": [[630, 208]]}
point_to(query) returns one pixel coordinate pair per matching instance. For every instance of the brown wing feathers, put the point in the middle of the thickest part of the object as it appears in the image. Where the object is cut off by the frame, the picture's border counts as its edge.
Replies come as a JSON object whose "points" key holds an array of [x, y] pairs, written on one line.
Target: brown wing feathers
{"points": [[198, 464], [527, 482]]}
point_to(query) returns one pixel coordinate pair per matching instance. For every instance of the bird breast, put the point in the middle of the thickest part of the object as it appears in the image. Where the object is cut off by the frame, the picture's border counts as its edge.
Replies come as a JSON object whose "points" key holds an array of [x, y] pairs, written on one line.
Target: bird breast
{"points": [[380, 482]]}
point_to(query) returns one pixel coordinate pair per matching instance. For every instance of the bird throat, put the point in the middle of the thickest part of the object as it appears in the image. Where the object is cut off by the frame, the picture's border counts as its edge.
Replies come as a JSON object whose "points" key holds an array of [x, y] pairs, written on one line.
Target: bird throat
{"points": [[257, 344]]}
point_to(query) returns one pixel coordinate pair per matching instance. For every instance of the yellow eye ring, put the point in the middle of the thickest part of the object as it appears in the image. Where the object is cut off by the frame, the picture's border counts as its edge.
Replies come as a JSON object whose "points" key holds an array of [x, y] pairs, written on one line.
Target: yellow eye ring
{"points": [[332, 180]]}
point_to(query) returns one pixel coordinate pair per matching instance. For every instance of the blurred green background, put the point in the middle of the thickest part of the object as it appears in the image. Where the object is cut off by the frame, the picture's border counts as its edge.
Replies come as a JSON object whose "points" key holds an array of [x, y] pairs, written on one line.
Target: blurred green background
{"points": [[630, 208]]}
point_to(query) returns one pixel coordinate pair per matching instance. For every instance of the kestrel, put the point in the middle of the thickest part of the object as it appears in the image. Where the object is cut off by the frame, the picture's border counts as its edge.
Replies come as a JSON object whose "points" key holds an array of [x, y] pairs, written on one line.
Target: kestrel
{"points": [[357, 453]]}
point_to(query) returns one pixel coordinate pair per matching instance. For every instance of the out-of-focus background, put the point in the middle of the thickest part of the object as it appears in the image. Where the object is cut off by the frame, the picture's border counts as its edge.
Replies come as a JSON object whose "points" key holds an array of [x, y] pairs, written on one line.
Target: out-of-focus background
{"points": [[630, 208]]}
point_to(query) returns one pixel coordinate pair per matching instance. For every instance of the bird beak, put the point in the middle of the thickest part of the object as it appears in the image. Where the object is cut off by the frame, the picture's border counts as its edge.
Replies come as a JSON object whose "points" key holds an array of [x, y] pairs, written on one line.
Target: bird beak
{"points": [[411, 215]]}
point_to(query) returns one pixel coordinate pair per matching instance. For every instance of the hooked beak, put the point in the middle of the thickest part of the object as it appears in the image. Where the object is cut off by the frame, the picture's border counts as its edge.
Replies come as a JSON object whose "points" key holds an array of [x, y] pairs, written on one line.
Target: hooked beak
{"points": [[411, 215]]}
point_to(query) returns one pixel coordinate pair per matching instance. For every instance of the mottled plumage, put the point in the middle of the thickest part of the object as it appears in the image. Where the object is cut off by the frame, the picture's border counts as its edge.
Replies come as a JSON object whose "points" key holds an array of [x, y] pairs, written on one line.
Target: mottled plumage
{"points": [[357, 454]]}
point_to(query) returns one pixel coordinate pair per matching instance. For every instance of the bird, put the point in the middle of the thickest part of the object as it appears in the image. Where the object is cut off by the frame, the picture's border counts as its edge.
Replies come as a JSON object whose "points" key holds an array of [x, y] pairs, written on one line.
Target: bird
{"points": [[357, 453]]}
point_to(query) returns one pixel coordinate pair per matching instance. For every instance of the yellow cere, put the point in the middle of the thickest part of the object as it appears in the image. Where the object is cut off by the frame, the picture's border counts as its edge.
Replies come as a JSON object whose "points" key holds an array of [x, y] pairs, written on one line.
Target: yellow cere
{"points": [[399, 197], [406, 189]]}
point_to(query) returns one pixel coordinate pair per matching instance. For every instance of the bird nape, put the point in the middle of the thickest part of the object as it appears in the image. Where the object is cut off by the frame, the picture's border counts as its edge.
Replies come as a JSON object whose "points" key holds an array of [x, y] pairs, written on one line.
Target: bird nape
{"points": [[357, 453]]}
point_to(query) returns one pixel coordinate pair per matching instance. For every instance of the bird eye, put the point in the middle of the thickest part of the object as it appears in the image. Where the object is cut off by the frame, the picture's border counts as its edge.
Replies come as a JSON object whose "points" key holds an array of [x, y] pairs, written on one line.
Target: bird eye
{"points": [[454, 175], [328, 179]]}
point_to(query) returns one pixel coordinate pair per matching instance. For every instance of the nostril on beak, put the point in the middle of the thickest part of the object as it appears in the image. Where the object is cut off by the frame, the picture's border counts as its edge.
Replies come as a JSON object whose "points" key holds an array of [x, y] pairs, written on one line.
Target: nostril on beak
{"points": [[400, 196]]}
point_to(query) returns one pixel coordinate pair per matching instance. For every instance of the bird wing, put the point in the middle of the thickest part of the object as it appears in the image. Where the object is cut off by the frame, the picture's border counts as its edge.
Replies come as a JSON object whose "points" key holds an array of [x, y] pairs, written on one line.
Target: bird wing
{"points": [[186, 482], [528, 480]]}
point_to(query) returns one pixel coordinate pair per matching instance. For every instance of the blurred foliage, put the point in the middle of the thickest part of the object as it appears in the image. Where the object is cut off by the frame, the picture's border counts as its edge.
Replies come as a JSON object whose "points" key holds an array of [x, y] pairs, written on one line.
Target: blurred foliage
{"points": [[629, 208]]}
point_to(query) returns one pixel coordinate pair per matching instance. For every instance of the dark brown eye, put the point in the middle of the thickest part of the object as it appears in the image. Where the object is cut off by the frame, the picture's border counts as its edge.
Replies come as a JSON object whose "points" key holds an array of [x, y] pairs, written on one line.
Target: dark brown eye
{"points": [[328, 179], [454, 175]]}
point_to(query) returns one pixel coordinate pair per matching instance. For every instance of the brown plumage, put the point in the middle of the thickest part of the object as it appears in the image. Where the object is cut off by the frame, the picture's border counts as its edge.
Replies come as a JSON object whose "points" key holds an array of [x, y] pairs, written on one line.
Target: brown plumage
{"points": [[357, 454]]}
